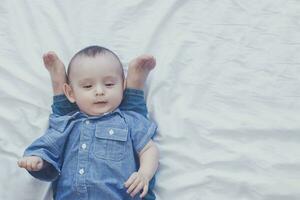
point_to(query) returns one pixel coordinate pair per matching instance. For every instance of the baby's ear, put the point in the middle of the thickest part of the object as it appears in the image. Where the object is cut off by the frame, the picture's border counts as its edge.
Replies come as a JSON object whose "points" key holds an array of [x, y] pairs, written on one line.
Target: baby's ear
{"points": [[69, 92]]}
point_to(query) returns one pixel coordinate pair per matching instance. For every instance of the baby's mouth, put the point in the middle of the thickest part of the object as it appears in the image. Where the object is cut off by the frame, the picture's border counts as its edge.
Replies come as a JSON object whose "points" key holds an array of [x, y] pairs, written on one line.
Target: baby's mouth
{"points": [[100, 102]]}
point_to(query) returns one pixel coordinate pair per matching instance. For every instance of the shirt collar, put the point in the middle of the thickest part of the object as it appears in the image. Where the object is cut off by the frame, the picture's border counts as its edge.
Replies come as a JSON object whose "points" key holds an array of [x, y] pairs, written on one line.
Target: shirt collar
{"points": [[79, 114], [60, 122]]}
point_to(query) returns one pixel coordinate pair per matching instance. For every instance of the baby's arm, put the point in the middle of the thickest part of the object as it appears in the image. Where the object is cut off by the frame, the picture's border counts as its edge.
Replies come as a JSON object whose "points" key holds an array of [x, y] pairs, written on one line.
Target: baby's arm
{"points": [[32, 163], [138, 181], [44, 157], [39, 168]]}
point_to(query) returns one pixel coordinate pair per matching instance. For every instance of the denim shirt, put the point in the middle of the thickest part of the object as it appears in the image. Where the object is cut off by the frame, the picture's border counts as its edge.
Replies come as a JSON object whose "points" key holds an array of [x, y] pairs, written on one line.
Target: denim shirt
{"points": [[90, 157]]}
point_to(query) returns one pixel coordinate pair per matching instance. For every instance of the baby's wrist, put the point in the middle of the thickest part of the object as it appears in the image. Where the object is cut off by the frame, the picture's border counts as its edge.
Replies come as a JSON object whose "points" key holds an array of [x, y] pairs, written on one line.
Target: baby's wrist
{"points": [[45, 164], [145, 175]]}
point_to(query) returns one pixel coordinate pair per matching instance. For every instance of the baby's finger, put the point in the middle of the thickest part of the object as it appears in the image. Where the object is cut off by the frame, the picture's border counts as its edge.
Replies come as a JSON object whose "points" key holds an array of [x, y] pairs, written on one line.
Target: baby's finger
{"points": [[35, 165], [138, 188], [145, 191], [133, 185], [130, 180], [39, 165], [21, 163], [28, 165]]}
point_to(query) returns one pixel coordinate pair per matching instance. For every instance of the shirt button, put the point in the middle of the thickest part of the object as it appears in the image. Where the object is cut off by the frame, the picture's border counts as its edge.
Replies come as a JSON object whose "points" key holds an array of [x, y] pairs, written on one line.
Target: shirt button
{"points": [[83, 146], [111, 132], [81, 171], [87, 122]]}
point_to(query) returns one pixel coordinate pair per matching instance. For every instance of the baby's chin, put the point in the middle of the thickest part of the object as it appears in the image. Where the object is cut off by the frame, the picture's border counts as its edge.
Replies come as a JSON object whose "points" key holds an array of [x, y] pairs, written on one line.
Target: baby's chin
{"points": [[98, 112]]}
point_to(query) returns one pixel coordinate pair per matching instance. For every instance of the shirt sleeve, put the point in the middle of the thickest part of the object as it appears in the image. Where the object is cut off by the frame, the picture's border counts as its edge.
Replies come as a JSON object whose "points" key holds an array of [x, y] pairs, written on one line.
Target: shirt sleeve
{"points": [[50, 148], [142, 130], [62, 106]]}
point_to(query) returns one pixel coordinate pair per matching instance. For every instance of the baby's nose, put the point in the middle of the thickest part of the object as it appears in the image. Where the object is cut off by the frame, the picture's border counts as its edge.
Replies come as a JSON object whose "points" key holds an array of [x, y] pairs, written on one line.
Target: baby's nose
{"points": [[99, 90]]}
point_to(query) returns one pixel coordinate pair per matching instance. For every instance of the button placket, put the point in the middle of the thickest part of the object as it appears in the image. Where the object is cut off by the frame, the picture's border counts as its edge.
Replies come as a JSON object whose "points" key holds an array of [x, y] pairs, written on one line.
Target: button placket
{"points": [[83, 155]]}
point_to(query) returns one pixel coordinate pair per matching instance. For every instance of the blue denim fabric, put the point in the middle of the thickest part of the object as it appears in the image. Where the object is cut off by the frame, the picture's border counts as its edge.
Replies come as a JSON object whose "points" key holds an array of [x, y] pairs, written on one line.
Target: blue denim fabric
{"points": [[91, 157], [133, 100]]}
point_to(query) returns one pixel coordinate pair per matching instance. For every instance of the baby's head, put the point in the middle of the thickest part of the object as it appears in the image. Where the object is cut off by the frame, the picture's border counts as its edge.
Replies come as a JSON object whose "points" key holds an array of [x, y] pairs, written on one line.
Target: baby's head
{"points": [[95, 80]]}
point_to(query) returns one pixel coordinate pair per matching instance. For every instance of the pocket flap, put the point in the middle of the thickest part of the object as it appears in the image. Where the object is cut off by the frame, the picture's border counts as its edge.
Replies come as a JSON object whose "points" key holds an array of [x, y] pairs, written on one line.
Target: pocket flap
{"points": [[111, 133]]}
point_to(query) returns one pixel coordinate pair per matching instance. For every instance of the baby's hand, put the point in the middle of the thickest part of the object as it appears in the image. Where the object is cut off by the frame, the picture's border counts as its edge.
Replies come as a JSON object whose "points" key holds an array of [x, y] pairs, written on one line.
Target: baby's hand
{"points": [[31, 163], [137, 182]]}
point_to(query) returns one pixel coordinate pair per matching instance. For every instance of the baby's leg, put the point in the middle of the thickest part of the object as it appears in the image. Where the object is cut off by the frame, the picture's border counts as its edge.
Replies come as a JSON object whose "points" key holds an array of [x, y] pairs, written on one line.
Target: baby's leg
{"points": [[57, 72], [138, 71]]}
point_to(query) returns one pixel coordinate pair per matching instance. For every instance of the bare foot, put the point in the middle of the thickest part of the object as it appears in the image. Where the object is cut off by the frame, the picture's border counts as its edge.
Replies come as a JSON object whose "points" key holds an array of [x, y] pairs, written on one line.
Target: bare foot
{"points": [[56, 70], [31, 163], [138, 71]]}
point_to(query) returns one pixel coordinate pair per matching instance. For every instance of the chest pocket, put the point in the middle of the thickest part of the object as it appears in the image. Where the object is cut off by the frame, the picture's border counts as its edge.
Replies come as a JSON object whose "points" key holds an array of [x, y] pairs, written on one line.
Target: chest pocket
{"points": [[110, 143]]}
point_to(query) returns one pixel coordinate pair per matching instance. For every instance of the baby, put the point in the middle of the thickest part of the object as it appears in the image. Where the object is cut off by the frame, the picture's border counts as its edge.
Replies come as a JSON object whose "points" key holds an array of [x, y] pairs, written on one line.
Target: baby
{"points": [[90, 154]]}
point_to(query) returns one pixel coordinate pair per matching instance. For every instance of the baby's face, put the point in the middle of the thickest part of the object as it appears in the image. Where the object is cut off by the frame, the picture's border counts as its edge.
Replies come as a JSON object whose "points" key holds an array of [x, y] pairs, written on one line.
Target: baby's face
{"points": [[96, 83]]}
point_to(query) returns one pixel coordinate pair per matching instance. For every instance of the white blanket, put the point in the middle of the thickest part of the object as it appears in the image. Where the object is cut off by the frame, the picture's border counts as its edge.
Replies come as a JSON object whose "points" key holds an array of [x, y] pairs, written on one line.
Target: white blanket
{"points": [[225, 91]]}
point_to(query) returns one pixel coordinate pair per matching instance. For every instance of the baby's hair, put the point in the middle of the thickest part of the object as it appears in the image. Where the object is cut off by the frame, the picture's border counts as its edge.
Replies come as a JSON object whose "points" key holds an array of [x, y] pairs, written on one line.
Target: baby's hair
{"points": [[92, 51]]}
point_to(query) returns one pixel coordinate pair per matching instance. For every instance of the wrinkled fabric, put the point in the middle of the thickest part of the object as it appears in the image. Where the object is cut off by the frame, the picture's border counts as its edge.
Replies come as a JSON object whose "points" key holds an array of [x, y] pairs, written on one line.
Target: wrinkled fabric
{"points": [[225, 92]]}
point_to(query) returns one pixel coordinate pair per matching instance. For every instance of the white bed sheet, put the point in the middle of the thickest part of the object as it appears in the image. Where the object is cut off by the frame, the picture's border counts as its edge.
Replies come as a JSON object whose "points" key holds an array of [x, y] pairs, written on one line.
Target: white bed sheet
{"points": [[225, 92]]}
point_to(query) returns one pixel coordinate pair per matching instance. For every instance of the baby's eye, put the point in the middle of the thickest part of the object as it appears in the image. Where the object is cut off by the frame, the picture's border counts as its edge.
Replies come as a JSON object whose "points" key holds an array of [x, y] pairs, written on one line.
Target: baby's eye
{"points": [[87, 86], [109, 84]]}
